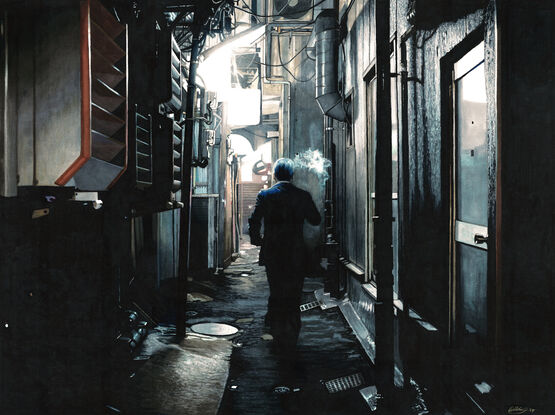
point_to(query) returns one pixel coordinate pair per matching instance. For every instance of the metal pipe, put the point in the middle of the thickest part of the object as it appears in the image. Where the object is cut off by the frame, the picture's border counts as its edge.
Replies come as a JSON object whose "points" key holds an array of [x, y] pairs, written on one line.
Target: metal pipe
{"points": [[186, 189], [383, 220], [286, 112], [327, 95], [329, 206], [268, 79]]}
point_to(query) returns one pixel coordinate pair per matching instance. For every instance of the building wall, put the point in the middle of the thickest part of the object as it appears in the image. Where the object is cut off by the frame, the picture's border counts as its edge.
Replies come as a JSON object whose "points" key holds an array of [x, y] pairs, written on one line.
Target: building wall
{"points": [[526, 198], [57, 303], [518, 94], [306, 119]]}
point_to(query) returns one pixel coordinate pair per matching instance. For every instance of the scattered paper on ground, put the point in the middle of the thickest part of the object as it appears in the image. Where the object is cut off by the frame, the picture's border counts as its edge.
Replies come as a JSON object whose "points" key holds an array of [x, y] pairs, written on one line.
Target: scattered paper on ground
{"points": [[238, 271], [326, 301], [198, 297], [483, 387]]}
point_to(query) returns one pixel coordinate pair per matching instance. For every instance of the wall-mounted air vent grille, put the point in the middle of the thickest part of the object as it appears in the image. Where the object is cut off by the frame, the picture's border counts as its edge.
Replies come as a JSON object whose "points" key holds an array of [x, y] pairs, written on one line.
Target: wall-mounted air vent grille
{"points": [[143, 149], [176, 156], [175, 78]]}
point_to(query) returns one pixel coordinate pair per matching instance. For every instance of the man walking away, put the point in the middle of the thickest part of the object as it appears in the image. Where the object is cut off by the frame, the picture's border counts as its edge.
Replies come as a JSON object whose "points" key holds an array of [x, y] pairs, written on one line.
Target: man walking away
{"points": [[284, 209]]}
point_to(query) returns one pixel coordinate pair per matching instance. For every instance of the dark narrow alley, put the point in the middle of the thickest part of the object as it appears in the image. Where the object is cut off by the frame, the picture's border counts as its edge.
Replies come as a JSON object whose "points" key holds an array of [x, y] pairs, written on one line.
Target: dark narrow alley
{"points": [[240, 373], [262, 207]]}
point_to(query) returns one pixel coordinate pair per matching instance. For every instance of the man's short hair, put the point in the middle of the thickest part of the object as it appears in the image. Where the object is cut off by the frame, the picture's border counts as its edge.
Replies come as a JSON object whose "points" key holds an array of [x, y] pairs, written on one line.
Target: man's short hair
{"points": [[283, 169]]}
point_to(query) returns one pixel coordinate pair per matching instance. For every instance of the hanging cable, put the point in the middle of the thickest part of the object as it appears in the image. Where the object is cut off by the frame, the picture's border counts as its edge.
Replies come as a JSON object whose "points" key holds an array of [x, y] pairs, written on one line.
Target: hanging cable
{"points": [[287, 69], [289, 61], [250, 11]]}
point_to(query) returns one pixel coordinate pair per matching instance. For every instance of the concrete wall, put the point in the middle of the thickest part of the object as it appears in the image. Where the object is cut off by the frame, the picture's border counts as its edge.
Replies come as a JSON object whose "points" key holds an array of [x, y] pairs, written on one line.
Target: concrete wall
{"points": [[306, 119]]}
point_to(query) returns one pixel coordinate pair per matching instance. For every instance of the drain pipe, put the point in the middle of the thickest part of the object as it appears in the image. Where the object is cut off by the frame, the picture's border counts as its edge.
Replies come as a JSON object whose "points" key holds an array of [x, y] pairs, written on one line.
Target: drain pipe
{"points": [[326, 33], [269, 79], [186, 190], [383, 215]]}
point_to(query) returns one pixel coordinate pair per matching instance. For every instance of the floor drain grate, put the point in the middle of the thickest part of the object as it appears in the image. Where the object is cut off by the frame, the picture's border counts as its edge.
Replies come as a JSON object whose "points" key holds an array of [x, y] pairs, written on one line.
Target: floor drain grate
{"points": [[309, 306], [344, 383]]}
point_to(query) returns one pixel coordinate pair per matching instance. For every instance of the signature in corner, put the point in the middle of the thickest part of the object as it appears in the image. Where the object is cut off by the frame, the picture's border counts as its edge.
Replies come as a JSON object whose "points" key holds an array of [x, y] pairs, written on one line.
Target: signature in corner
{"points": [[520, 410]]}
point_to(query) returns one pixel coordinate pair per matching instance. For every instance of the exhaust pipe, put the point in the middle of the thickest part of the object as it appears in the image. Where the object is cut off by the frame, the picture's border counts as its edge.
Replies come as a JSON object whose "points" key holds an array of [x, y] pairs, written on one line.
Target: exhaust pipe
{"points": [[326, 33]]}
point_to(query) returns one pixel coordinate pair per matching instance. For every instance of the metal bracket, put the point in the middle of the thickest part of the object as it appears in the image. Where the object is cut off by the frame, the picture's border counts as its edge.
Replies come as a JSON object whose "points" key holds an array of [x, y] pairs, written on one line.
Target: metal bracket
{"points": [[88, 197]]}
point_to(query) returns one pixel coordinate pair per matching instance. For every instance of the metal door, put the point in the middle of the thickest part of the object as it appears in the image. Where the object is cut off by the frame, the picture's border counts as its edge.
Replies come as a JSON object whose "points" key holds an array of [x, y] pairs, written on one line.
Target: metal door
{"points": [[470, 197]]}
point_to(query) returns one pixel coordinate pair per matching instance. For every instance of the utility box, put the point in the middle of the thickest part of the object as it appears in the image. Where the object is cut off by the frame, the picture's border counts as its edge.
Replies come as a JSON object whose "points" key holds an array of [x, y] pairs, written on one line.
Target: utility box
{"points": [[204, 232]]}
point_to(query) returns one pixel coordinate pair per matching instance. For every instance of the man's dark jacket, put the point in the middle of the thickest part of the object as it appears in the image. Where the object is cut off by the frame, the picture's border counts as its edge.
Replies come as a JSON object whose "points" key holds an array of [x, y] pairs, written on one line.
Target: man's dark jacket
{"points": [[284, 209]]}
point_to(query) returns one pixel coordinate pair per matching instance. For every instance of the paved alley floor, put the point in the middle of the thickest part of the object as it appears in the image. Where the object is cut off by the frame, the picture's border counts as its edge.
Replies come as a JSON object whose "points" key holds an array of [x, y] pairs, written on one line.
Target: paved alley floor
{"points": [[327, 348]]}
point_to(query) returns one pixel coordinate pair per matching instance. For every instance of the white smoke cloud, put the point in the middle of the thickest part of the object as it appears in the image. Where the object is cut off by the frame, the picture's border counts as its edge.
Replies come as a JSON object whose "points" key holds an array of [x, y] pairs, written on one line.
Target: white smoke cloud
{"points": [[311, 174]]}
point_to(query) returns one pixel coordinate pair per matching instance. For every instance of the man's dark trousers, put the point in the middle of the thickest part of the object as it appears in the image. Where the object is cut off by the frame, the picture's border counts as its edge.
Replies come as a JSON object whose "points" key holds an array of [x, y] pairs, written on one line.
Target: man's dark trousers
{"points": [[284, 315]]}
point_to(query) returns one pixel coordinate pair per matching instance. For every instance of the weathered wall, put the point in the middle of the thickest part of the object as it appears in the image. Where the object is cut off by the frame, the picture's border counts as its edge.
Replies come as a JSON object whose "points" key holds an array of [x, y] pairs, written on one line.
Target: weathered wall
{"points": [[306, 119], [167, 244], [355, 56], [427, 201], [520, 151]]}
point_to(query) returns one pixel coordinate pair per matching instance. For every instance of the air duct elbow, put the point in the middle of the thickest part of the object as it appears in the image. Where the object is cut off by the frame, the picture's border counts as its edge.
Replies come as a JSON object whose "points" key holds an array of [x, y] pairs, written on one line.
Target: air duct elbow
{"points": [[327, 95]]}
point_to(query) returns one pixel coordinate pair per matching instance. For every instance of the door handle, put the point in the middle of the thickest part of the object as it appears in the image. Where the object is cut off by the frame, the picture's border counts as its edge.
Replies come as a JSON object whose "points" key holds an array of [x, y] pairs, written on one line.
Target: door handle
{"points": [[480, 239]]}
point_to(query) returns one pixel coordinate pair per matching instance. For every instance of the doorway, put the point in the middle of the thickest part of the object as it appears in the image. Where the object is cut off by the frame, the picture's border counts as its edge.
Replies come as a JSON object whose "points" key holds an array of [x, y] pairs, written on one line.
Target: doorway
{"points": [[469, 203]]}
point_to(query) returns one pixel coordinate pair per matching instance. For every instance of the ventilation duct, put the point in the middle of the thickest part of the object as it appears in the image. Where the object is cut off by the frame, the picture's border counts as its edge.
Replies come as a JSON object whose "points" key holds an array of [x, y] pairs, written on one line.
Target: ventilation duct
{"points": [[326, 34]]}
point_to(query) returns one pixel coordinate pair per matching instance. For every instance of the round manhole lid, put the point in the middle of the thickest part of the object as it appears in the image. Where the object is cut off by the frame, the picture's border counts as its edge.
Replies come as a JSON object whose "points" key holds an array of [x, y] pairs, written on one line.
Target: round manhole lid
{"points": [[214, 329]]}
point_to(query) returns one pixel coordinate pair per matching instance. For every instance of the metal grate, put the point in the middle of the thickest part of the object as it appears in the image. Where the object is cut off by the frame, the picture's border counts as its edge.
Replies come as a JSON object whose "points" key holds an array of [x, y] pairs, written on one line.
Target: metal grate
{"points": [[344, 383], [176, 156], [175, 76], [143, 149], [309, 306]]}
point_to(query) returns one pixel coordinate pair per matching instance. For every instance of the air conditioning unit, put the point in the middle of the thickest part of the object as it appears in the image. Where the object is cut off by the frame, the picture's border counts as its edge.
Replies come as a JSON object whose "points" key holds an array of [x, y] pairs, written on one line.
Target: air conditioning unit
{"points": [[169, 72], [167, 161], [290, 10]]}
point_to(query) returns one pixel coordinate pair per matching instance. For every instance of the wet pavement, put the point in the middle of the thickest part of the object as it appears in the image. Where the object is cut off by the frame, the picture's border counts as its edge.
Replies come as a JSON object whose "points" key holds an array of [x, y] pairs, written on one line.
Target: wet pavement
{"points": [[240, 373], [170, 378], [327, 349]]}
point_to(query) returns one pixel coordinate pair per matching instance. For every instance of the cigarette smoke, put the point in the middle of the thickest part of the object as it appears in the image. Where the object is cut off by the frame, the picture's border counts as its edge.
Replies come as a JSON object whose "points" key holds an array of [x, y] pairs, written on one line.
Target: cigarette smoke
{"points": [[311, 175]]}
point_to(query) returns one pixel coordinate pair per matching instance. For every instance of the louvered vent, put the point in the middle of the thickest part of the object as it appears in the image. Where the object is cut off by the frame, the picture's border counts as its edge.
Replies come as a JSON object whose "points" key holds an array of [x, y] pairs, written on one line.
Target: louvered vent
{"points": [[143, 149], [175, 67], [176, 156]]}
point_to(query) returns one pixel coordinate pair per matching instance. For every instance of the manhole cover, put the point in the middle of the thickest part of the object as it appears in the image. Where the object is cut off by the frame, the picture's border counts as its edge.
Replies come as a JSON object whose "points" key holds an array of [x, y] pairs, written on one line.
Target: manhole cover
{"points": [[344, 383], [214, 329]]}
